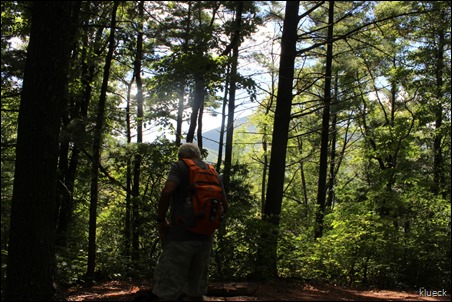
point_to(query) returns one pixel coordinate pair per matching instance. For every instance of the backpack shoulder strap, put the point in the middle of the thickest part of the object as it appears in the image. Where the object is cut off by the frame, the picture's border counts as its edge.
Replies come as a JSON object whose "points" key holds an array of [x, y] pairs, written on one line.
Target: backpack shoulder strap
{"points": [[189, 162], [212, 169]]}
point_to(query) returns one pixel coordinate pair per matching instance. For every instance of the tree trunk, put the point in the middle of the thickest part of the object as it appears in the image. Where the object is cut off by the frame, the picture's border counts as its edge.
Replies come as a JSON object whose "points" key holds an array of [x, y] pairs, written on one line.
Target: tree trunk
{"points": [[68, 167], [321, 193], [223, 120], [267, 249], [333, 164], [128, 209], [231, 104], [65, 204], [180, 113], [265, 139], [264, 171], [304, 188], [136, 200], [182, 81], [199, 132], [198, 100], [97, 150], [439, 180], [31, 251]]}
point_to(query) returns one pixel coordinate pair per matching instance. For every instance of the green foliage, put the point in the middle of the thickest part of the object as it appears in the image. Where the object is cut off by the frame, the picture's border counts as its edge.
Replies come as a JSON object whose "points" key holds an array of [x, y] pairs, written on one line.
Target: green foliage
{"points": [[156, 158], [361, 248], [294, 249], [234, 249], [71, 266]]}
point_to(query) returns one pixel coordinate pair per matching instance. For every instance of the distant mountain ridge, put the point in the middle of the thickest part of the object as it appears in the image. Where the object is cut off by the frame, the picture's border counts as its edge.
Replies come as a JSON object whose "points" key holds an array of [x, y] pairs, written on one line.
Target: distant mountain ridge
{"points": [[211, 138]]}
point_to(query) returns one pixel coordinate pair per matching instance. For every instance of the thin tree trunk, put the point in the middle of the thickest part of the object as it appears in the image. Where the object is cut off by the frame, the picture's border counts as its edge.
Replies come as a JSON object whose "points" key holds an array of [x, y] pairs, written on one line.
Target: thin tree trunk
{"points": [[264, 171], [332, 173], [321, 193], [303, 177], [182, 83], [231, 103], [97, 151], [128, 209], [438, 161], [199, 132], [78, 116], [198, 100], [66, 192], [137, 161], [223, 120], [180, 113]]}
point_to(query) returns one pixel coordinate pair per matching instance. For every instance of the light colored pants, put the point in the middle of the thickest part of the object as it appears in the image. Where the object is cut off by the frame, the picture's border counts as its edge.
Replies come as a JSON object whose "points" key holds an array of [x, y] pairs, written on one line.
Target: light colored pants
{"points": [[182, 268]]}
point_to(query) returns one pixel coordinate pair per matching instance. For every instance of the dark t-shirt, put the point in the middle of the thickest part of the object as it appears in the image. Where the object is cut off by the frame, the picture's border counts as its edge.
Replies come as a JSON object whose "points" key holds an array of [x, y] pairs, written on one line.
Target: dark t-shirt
{"points": [[179, 175]]}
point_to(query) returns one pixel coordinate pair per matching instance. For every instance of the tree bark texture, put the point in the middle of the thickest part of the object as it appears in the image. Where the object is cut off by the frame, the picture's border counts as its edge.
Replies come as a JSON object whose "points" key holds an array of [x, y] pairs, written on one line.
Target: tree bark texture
{"points": [[31, 254], [231, 103], [136, 200], [280, 135], [323, 168]]}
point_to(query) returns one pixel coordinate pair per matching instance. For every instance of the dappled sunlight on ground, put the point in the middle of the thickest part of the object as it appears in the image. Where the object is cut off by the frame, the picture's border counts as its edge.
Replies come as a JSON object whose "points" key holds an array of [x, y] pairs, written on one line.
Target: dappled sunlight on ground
{"points": [[280, 290]]}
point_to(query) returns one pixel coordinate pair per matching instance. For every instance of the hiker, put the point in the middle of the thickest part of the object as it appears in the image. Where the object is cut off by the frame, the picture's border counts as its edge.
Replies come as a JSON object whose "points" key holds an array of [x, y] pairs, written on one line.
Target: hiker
{"points": [[182, 269]]}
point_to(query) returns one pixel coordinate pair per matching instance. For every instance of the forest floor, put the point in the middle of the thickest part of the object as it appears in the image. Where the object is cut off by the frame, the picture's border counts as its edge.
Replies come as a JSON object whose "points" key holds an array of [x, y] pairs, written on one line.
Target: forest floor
{"points": [[279, 290]]}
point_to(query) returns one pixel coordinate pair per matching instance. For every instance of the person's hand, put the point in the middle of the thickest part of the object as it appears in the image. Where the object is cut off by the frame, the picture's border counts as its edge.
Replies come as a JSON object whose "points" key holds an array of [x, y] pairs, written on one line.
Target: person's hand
{"points": [[163, 228]]}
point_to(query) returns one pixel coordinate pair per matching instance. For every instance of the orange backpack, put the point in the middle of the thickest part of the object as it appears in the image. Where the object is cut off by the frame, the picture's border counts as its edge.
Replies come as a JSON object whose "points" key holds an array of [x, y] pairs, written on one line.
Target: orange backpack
{"points": [[203, 208]]}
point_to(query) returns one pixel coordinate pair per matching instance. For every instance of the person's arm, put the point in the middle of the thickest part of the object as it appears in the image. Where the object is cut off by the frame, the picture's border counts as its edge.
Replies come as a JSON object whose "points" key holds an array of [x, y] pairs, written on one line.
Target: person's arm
{"points": [[165, 199], [163, 206]]}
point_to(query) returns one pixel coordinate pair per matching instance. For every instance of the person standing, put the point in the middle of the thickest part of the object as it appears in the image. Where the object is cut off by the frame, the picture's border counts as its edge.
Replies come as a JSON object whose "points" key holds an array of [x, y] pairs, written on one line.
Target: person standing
{"points": [[183, 266]]}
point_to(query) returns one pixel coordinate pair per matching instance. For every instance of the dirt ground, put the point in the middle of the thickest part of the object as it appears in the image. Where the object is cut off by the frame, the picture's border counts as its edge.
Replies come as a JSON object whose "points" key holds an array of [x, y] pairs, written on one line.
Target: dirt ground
{"points": [[281, 290]]}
